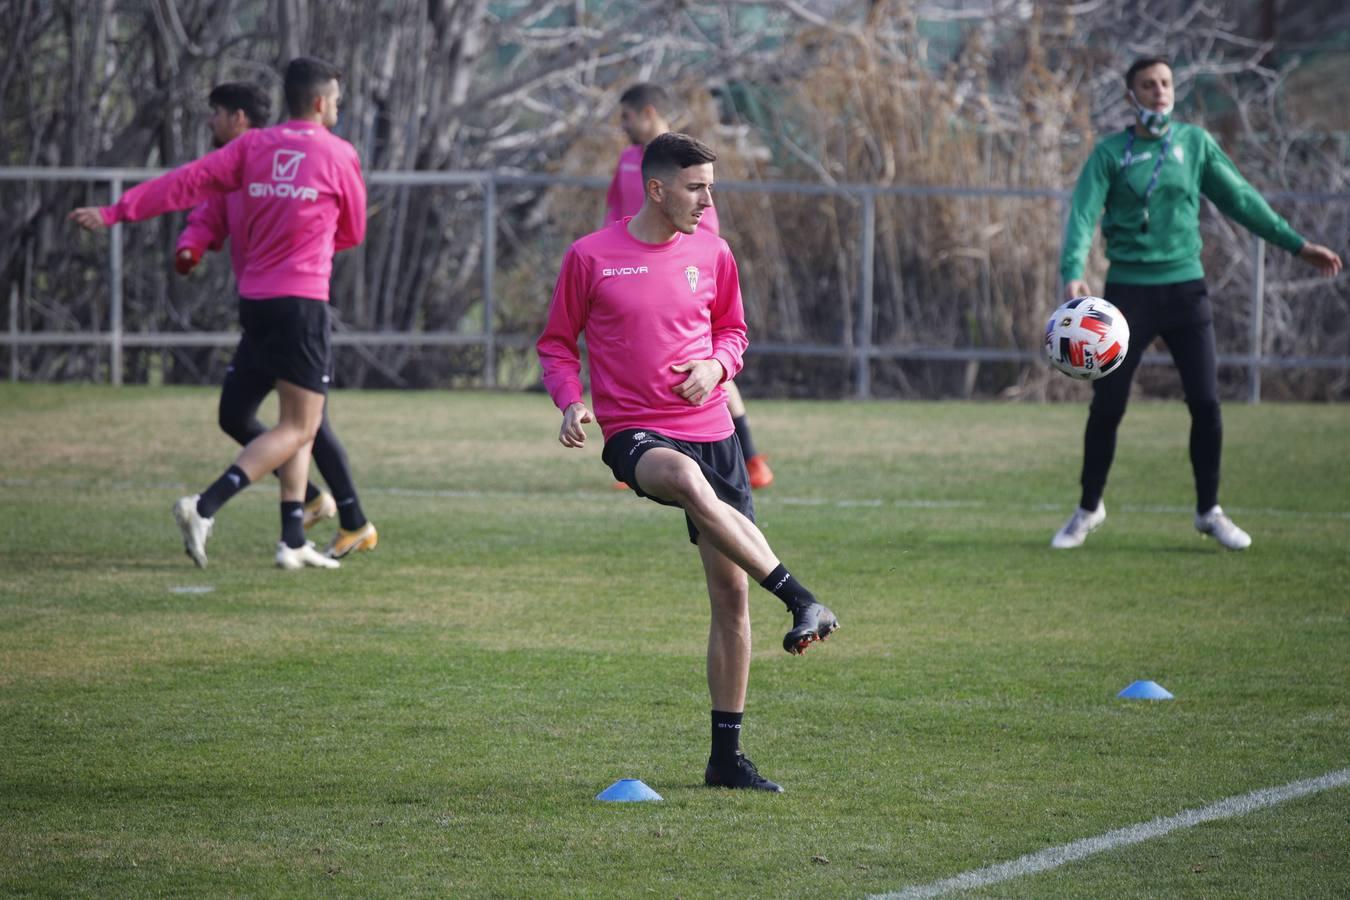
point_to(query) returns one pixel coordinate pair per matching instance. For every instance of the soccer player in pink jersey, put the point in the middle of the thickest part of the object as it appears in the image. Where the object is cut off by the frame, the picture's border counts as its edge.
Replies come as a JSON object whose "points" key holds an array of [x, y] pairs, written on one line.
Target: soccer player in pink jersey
{"points": [[659, 300], [304, 200], [642, 116], [237, 107]]}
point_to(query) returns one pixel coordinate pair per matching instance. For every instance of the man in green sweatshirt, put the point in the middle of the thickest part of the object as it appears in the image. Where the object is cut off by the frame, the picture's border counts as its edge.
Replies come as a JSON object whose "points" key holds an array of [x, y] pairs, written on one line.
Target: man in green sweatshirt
{"points": [[1145, 184]]}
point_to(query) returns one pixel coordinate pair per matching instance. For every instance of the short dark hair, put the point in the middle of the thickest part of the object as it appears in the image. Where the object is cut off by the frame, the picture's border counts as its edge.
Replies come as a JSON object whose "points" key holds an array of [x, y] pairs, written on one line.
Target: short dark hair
{"points": [[645, 94], [672, 151], [305, 79], [244, 97], [1139, 65]]}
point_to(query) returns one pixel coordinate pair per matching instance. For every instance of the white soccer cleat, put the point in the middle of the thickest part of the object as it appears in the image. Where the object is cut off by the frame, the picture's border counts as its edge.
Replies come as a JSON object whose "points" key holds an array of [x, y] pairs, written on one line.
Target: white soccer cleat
{"points": [[320, 508], [195, 528], [1082, 523], [298, 557], [1217, 525]]}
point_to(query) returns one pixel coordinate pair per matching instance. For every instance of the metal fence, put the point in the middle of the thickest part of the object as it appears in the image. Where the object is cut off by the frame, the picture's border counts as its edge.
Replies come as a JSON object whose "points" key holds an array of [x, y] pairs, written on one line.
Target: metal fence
{"points": [[857, 353]]}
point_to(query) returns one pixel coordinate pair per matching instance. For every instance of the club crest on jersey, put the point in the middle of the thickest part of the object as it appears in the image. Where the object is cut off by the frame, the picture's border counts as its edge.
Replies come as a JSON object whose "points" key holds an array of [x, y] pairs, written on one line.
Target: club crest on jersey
{"points": [[691, 273]]}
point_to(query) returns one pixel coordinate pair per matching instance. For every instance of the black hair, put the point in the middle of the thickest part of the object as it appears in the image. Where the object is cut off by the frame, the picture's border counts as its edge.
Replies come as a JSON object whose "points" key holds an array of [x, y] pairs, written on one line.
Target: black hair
{"points": [[672, 151], [645, 94], [305, 80], [1139, 65], [244, 97]]}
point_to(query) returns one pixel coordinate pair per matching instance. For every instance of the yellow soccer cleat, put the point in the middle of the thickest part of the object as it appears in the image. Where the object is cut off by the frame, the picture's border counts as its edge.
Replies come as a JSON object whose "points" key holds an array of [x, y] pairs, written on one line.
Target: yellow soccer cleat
{"points": [[320, 508], [346, 542]]}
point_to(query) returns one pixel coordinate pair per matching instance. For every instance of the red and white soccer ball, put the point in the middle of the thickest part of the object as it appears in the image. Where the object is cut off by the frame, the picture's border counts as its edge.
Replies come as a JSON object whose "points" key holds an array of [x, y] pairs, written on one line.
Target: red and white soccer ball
{"points": [[1087, 338]]}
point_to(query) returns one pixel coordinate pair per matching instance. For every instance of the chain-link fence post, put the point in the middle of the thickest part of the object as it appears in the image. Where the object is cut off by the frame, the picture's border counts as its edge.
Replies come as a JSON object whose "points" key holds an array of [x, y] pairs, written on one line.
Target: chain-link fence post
{"points": [[862, 349], [1258, 314], [115, 290], [489, 270]]}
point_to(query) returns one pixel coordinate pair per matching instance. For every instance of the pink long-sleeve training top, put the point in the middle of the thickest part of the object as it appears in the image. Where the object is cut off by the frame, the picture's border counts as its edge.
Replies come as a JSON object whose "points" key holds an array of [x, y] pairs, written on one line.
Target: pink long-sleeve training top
{"points": [[644, 308], [303, 201], [626, 192]]}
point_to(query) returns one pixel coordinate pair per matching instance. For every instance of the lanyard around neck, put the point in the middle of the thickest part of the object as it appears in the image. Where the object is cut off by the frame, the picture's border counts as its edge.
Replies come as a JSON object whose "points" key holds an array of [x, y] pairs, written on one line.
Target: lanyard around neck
{"points": [[1128, 158]]}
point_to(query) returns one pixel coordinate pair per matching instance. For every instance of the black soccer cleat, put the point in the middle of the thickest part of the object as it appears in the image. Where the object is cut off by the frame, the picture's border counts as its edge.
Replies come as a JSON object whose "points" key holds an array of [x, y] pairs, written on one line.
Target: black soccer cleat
{"points": [[810, 623], [740, 772]]}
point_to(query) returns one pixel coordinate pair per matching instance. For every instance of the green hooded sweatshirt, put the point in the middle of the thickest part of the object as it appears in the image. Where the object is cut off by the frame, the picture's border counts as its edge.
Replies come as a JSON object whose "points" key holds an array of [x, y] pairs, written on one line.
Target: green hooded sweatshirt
{"points": [[1169, 251]]}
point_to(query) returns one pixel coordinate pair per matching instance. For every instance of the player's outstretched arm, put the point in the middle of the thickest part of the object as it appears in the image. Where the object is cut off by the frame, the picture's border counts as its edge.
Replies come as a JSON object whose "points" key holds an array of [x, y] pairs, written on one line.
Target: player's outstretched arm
{"points": [[1323, 259], [572, 434], [90, 218]]}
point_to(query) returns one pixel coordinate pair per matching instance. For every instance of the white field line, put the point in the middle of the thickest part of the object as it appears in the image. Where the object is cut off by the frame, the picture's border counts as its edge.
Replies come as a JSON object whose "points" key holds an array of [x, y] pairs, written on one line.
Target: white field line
{"points": [[1054, 857], [760, 497]]}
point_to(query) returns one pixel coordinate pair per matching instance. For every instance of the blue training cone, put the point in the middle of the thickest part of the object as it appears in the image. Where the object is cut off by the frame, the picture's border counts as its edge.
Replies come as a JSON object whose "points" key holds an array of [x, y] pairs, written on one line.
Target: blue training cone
{"points": [[1145, 690], [628, 790]]}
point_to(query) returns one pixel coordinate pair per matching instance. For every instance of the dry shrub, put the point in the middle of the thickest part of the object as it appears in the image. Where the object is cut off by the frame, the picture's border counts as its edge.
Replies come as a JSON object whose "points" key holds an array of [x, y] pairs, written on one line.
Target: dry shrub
{"points": [[950, 271]]}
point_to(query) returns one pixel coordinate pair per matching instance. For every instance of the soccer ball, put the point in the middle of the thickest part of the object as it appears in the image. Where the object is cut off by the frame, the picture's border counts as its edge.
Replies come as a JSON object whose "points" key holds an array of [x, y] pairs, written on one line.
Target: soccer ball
{"points": [[1087, 338]]}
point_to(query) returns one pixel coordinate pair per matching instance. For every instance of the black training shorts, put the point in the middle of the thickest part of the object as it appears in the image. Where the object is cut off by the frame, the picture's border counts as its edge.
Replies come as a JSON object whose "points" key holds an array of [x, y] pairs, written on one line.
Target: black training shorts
{"points": [[720, 461], [286, 338]]}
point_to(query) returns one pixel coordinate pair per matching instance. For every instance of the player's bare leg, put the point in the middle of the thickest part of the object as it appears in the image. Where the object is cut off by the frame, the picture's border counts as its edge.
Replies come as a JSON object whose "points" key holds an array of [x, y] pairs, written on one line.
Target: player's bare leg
{"points": [[728, 672], [300, 412], [293, 551], [294, 473], [670, 475], [728, 630], [735, 403]]}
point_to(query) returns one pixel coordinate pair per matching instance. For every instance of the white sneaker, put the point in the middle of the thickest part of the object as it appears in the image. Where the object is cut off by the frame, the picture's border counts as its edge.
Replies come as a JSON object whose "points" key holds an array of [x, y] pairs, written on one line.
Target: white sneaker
{"points": [[320, 508], [195, 527], [1218, 526], [299, 557], [1082, 523]]}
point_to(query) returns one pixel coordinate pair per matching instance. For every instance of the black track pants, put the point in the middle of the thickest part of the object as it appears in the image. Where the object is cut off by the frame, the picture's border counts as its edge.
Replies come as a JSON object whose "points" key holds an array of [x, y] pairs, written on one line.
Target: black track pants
{"points": [[1182, 316]]}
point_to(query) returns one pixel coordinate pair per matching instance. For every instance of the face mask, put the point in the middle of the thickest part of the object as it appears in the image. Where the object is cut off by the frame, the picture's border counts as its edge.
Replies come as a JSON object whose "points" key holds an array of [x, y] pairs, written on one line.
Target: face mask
{"points": [[1155, 123]]}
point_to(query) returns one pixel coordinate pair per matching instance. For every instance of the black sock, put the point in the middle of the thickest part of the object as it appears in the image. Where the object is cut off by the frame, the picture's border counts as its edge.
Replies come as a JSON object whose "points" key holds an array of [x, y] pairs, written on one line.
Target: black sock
{"points": [[349, 513], [293, 523], [226, 486], [726, 735], [311, 492], [331, 458], [742, 425], [782, 585]]}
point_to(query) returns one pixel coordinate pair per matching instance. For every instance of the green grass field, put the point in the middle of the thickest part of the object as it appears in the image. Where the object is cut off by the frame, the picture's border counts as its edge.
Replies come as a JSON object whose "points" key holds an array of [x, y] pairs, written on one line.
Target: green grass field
{"points": [[436, 717]]}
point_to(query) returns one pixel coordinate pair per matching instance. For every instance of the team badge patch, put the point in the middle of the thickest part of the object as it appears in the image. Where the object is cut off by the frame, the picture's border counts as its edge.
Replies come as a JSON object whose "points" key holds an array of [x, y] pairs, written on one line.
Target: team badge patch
{"points": [[691, 273]]}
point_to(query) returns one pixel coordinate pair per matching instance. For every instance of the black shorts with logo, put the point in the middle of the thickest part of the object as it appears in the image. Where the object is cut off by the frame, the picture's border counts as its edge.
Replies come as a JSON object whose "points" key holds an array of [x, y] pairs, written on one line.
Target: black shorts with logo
{"points": [[286, 338], [720, 461]]}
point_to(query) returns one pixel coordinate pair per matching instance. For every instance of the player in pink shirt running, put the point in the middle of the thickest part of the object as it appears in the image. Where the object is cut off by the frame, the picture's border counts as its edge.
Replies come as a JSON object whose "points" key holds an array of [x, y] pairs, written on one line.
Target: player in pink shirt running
{"points": [[237, 107], [659, 300], [304, 200], [642, 116]]}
